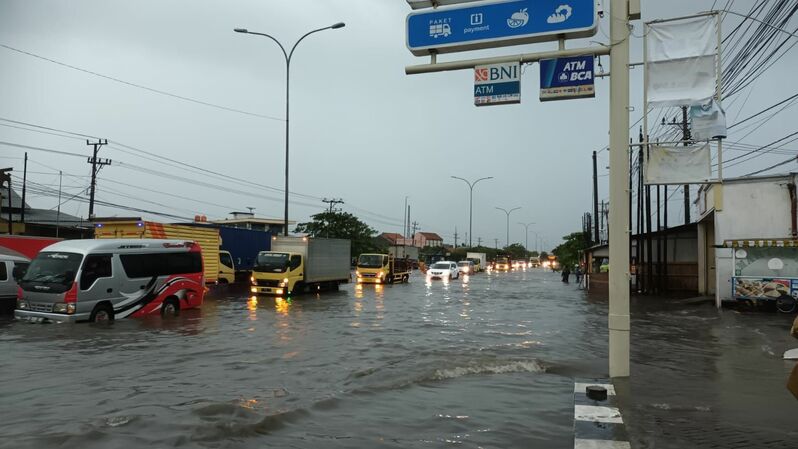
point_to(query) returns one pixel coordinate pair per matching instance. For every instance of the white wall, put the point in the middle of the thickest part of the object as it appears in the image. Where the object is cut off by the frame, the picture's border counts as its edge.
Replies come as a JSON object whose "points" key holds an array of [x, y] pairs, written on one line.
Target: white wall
{"points": [[754, 210]]}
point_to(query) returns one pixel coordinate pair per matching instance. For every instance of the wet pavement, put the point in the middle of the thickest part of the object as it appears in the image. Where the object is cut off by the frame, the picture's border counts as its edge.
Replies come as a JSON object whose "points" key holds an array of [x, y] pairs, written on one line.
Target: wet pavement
{"points": [[488, 362]]}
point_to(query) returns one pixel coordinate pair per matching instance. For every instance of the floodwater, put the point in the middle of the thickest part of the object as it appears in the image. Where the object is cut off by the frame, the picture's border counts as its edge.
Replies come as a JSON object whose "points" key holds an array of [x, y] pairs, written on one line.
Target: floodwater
{"points": [[484, 362]]}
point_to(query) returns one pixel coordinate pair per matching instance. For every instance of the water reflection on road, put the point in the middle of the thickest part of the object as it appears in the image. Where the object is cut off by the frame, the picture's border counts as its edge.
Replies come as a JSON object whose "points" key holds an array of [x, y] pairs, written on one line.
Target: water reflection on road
{"points": [[484, 361]]}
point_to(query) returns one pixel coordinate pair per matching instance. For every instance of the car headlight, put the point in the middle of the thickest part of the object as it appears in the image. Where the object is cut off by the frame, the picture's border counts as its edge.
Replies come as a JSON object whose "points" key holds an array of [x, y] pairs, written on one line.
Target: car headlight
{"points": [[60, 307], [22, 305]]}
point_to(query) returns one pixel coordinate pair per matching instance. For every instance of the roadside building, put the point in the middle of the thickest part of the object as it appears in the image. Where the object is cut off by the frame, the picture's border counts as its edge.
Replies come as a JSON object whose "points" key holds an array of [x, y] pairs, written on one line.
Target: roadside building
{"points": [[40, 222], [247, 220], [747, 232], [427, 240]]}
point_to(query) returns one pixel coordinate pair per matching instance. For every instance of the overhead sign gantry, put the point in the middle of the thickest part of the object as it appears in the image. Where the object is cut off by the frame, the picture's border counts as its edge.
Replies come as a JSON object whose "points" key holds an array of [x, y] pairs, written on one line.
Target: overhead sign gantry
{"points": [[500, 23]]}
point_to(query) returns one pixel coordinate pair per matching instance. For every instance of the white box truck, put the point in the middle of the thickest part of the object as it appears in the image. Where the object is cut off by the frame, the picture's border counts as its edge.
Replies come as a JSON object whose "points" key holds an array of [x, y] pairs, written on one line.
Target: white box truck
{"points": [[301, 264], [480, 260]]}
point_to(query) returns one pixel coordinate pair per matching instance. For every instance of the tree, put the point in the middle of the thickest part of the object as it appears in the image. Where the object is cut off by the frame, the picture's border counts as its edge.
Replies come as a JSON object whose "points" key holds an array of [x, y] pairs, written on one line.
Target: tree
{"points": [[568, 252], [341, 225], [516, 251]]}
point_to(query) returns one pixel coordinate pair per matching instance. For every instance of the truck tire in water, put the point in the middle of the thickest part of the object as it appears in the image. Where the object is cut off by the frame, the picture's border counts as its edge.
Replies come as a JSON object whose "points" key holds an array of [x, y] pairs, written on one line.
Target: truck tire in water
{"points": [[170, 307], [102, 313], [786, 304]]}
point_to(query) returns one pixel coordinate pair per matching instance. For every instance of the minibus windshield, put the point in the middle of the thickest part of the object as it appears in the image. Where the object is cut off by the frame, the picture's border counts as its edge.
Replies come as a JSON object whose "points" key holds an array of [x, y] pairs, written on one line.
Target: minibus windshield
{"points": [[51, 272], [271, 262]]}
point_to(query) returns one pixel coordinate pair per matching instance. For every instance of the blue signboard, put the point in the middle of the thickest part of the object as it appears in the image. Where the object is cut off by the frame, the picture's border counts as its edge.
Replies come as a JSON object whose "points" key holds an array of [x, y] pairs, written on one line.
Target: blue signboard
{"points": [[499, 23], [564, 78]]}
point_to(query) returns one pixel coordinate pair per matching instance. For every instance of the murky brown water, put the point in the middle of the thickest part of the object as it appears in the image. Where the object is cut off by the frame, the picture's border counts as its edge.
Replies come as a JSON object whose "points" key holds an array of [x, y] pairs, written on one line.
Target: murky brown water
{"points": [[484, 363]]}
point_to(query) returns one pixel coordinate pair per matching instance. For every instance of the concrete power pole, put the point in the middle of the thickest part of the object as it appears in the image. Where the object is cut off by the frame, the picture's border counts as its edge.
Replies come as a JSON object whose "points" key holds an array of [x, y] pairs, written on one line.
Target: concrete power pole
{"points": [[618, 320], [96, 165]]}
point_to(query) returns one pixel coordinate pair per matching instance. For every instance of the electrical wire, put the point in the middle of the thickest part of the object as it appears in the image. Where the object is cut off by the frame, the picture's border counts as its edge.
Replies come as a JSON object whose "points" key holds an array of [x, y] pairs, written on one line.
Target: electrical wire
{"points": [[139, 86]]}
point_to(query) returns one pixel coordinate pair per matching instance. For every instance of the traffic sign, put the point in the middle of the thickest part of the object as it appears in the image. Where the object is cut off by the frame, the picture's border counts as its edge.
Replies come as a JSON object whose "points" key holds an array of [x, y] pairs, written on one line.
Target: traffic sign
{"points": [[497, 84], [566, 78], [499, 23]]}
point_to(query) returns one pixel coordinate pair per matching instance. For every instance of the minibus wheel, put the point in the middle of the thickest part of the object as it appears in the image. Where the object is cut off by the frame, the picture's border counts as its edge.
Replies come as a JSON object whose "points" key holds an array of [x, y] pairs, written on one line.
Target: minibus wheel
{"points": [[170, 307], [103, 313]]}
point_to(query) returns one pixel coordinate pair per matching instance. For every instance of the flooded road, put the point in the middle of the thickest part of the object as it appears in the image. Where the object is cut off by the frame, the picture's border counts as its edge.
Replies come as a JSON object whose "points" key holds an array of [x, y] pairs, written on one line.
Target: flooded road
{"points": [[487, 362]]}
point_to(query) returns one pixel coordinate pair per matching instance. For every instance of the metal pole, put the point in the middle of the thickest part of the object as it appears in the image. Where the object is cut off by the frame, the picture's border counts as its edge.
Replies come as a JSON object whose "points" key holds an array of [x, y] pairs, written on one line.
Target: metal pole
{"points": [[471, 204], [58, 214], [24, 188], [595, 200], [287, 92], [288, 56], [618, 321], [508, 212]]}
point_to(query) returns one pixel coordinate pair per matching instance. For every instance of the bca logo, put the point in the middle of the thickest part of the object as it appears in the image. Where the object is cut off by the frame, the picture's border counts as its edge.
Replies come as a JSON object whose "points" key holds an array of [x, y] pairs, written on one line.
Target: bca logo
{"points": [[481, 74]]}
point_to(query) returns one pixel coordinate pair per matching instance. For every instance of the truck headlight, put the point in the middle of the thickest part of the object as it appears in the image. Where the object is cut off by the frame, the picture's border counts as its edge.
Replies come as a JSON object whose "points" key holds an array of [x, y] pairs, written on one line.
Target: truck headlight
{"points": [[252, 279], [60, 307], [22, 305], [253, 290], [284, 283]]}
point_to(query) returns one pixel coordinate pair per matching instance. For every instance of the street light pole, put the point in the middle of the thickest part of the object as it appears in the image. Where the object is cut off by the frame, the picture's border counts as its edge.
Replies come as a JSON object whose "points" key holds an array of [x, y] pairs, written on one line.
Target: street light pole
{"points": [[526, 227], [471, 204], [508, 212], [288, 56]]}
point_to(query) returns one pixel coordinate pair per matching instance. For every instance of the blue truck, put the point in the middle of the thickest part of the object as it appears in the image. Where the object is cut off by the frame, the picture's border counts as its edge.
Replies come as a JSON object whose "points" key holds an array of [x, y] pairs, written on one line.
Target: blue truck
{"points": [[242, 244]]}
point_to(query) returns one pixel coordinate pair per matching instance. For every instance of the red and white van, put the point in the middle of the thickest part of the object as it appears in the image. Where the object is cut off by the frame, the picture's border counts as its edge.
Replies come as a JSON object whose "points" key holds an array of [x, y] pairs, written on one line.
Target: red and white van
{"points": [[100, 280]]}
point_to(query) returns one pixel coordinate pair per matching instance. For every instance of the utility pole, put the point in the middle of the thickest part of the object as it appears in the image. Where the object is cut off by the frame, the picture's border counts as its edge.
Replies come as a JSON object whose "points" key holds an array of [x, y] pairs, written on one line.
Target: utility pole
{"points": [[455, 236], [5, 177], [24, 188], [686, 137], [479, 241], [332, 203], [58, 213], [96, 165], [618, 320], [595, 200], [404, 224], [496, 242], [407, 231]]}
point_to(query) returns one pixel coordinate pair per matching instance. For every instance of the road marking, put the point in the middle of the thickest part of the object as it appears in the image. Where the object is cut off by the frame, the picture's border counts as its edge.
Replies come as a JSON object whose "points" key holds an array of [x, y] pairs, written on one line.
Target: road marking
{"points": [[597, 413], [601, 444]]}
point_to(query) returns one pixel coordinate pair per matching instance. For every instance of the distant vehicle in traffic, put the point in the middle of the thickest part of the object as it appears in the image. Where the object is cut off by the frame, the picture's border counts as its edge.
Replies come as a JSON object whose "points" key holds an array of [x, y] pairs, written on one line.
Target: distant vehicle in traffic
{"points": [[467, 267], [444, 270], [12, 268], [100, 280], [502, 263], [382, 269]]}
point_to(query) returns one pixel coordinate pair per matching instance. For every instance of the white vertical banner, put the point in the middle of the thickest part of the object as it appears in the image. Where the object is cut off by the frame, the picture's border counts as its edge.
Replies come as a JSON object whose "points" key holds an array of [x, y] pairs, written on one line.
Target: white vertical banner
{"points": [[680, 61], [678, 165]]}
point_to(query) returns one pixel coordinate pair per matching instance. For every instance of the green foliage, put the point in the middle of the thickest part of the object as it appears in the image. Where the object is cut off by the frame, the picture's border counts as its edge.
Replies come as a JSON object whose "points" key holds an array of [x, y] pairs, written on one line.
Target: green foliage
{"points": [[569, 251], [341, 225], [516, 251]]}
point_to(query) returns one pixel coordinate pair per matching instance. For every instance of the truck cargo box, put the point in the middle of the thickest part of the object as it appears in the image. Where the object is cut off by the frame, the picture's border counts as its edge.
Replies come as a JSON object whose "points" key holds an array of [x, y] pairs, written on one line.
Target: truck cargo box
{"points": [[325, 259]]}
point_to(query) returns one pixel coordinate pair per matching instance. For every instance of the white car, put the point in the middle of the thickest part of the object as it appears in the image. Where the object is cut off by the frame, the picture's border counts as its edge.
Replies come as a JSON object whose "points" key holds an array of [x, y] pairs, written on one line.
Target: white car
{"points": [[444, 269]]}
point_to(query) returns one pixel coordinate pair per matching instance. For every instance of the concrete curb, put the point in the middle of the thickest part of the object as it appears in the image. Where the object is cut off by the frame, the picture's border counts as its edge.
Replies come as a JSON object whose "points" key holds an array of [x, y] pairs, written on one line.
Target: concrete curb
{"points": [[598, 424]]}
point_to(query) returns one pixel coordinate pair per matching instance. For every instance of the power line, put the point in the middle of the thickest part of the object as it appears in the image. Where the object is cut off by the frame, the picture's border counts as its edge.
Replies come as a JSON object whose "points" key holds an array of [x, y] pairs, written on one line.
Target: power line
{"points": [[139, 86]]}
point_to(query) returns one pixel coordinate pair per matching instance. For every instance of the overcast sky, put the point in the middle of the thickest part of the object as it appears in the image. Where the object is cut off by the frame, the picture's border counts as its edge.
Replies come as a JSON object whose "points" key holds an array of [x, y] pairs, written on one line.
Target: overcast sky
{"points": [[361, 129]]}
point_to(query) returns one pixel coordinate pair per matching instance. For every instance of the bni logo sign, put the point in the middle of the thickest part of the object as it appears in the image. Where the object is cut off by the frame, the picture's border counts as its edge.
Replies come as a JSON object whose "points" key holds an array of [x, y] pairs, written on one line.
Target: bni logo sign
{"points": [[497, 84]]}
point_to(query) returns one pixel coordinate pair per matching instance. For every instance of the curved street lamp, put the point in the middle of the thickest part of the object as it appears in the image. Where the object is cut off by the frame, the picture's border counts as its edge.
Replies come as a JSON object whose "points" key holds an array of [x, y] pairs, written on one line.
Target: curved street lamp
{"points": [[471, 205], [526, 226], [508, 212], [288, 55]]}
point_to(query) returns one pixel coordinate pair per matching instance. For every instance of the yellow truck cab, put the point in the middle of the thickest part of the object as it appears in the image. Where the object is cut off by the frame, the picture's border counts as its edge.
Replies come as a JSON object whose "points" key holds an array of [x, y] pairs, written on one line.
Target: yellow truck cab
{"points": [[301, 264], [382, 269], [227, 268], [503, 264]]}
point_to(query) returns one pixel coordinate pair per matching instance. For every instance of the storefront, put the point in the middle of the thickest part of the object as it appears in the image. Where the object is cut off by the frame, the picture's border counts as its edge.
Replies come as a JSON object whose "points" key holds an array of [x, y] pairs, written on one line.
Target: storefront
{"points": [[765, 272]]}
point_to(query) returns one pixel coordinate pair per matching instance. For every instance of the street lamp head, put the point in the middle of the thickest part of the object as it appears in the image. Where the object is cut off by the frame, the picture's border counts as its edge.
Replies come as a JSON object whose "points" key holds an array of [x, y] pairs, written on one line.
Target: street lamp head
{"points": [[338, 25], [241, 30]]}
